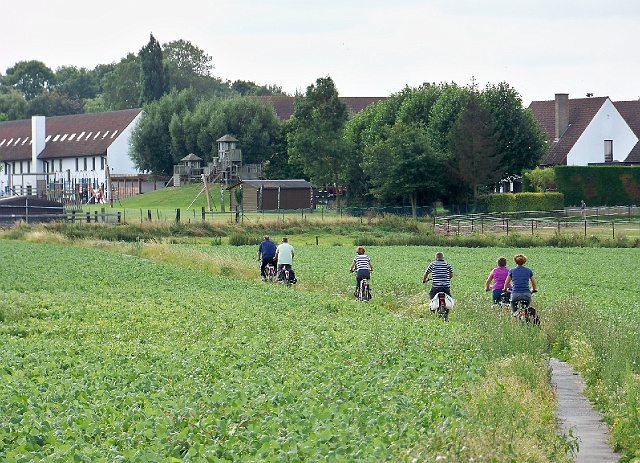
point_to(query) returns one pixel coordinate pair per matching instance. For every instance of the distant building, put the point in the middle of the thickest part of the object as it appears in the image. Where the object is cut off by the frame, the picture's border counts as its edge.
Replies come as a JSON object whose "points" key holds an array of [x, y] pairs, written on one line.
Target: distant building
{"points": [[271, 195], [589, 131], [66, 156]]}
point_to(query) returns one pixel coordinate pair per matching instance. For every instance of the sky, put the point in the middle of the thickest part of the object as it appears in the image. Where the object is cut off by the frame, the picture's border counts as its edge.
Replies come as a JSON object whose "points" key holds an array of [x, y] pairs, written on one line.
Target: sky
{"points": [[368, 47]]}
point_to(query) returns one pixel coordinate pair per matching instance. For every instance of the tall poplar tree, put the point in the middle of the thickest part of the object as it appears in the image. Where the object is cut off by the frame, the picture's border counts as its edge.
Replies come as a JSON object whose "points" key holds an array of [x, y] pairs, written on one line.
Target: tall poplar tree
{"points": [[152, 72]]}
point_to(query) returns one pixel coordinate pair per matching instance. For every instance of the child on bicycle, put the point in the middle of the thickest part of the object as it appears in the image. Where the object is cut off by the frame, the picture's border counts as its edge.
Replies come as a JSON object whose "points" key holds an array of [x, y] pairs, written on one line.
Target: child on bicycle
{"points": [[362, 265]]}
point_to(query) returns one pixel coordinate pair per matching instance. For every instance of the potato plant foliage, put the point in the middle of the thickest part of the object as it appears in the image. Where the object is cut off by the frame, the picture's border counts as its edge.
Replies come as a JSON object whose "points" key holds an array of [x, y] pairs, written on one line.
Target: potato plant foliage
{"points": [[111, 357]]}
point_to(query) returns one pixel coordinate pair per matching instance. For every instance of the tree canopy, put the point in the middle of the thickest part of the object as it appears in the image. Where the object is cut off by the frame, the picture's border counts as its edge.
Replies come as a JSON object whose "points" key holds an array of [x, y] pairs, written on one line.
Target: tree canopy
{"points": [[316, 139]]}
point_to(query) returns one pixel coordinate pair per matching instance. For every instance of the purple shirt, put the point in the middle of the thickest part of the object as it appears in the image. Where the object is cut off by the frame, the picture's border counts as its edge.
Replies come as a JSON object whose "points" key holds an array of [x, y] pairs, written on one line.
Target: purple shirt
{"points": [[499, 277]]}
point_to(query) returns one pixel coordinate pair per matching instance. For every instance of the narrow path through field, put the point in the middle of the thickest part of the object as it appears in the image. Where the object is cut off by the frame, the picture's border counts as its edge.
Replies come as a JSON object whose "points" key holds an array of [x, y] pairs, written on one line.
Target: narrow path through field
{"points": [[577, 413]]}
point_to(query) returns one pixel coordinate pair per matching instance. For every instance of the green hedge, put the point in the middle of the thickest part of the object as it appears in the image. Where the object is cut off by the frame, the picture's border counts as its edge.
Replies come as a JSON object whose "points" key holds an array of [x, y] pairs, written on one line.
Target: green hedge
{"points": [[514, 202], [599, 185]]}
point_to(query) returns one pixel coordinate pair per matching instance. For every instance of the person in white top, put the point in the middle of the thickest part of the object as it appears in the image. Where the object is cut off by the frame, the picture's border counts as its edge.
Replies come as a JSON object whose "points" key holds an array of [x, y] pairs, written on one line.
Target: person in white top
{"points": [[284, 256]]}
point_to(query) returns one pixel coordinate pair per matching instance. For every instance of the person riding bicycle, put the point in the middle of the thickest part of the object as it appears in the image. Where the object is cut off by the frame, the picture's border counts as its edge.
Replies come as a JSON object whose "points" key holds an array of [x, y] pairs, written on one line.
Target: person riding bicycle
{"points": [[266, 255], [284, 256], [441, 274], [498, 275], [520, 276], [362, 266]]}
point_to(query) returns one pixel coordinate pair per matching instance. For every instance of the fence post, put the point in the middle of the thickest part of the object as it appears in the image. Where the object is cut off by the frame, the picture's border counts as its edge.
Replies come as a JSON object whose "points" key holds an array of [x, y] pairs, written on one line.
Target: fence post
{"points": [[149, 215], [88, 217], [507, 222], [203, 216], [119, 217], [585, 228], [178, 215], [613, 229], [531, 227]]}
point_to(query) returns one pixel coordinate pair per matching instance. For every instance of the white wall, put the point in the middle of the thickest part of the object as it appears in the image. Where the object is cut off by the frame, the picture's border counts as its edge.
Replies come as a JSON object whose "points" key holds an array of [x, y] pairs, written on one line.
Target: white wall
{"points": [[118, 156], [607, 124]]}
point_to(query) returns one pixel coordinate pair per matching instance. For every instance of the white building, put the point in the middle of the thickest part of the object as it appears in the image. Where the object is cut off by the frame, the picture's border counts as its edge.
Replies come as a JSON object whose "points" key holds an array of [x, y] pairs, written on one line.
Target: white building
{"points": [[74, 153], [589, 131]]}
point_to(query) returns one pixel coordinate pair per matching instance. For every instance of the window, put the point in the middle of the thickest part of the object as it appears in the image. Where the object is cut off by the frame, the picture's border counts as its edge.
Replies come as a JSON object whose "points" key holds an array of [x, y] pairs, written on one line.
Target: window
{"points": [[77, 164], [94, 163], [60, 165], [608, 151], [85, 163]]}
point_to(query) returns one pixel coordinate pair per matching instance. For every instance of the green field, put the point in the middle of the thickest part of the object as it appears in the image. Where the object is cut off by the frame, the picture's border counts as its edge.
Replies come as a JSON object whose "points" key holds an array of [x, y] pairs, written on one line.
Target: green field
{"points": [[150, 352]]}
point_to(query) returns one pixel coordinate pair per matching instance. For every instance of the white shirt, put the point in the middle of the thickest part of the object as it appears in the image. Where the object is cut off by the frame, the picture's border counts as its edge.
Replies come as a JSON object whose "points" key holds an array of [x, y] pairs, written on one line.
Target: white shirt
{"points": [[285, 254]]}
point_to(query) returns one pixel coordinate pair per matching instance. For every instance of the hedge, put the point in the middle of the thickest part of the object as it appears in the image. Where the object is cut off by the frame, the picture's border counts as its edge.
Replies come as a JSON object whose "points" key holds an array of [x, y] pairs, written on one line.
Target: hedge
{"points": [[599, 185], [514, 202]]}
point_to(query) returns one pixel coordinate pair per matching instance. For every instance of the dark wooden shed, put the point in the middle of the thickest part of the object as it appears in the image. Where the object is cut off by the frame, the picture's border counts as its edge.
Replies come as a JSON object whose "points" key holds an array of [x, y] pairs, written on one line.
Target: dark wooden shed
{"points": [[271, 195]]}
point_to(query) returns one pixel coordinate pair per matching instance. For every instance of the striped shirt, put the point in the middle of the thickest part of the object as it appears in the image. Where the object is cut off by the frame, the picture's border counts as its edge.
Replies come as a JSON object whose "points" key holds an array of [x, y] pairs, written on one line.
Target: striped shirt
{"points": [[440, 273], [362, 262]]}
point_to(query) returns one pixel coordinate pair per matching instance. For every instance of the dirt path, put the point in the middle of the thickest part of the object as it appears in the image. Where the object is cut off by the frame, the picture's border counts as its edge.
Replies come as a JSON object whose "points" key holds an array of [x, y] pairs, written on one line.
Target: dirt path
{"points": [[577, 413]]}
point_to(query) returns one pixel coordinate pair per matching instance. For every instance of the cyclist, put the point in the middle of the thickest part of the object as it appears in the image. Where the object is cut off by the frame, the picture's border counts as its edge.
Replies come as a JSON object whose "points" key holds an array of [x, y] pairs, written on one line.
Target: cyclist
{"points": [[520, 276], [284, 256], [266, 254], [498, 275], [441, 272], [362, 265]]}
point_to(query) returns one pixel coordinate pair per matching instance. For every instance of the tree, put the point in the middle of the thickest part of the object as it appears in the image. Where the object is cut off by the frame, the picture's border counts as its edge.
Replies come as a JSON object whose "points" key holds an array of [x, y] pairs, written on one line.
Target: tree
{"points": [[279, 165], [12, 104], [475, 161], [151, 138], [249, 88], [251, 121], [121, 86], [520, 142], [31, 78], [54, 104], [77, 83], [152, 72], [403, 163], [541, 179], [316, 140]]}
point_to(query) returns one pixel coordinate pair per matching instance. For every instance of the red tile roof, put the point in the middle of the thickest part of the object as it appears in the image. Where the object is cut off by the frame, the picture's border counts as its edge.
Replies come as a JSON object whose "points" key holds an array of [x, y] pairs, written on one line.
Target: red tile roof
{"points": [[581, 113], [284, 104], [67, 136]]}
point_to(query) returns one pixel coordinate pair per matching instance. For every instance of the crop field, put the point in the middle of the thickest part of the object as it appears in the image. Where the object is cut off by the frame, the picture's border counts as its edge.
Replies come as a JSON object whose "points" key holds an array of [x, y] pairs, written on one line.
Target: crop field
{"points": [[166, 353]]}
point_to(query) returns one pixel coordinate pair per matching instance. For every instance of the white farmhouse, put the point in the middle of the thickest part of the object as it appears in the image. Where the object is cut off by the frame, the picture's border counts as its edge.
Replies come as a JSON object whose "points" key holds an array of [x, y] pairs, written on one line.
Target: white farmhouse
{"points": [[589, 131], [76, 153]]}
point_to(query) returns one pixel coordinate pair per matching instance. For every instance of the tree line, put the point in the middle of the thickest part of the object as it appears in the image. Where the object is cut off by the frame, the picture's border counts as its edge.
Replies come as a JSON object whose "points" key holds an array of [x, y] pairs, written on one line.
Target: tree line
{"points": [[437, 142], [32, 88]]}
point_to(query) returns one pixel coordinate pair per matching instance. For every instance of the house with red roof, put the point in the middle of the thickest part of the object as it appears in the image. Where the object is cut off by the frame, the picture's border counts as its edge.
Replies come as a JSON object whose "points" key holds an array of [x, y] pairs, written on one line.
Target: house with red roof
{"points": [[589, 131], [79, 153]]}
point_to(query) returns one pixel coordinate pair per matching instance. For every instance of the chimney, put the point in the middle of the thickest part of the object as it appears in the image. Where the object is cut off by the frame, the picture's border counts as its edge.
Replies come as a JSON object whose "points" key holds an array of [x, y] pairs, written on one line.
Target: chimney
{"points": [[38, 135], [562, 113]]}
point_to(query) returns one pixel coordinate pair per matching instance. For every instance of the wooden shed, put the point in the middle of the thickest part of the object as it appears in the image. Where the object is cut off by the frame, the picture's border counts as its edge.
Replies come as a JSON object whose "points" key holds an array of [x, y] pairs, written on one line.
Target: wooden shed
{"points": [[271, 195]]}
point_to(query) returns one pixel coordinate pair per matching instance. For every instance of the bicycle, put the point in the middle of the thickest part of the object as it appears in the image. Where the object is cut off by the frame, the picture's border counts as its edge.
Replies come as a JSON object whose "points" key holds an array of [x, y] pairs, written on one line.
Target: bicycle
{"points": [[287, 275], [442, 310], [363, 293], [526, 313], [271, 272], [440, 305]]}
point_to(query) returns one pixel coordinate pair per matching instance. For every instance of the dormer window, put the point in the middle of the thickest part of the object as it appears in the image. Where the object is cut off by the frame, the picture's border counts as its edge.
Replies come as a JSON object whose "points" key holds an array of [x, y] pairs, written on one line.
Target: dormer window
{"points": [[608, 151]]}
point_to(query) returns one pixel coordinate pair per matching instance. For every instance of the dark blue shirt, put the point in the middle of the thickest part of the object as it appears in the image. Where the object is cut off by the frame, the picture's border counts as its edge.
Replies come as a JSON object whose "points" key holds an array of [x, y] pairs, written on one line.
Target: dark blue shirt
{"points": [[520, 276], [267, 249]]}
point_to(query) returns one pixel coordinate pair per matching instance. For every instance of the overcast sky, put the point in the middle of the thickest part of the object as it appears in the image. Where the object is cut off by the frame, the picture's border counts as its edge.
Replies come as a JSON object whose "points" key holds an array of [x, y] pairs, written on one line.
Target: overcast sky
{"points": [[368, 47]]}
